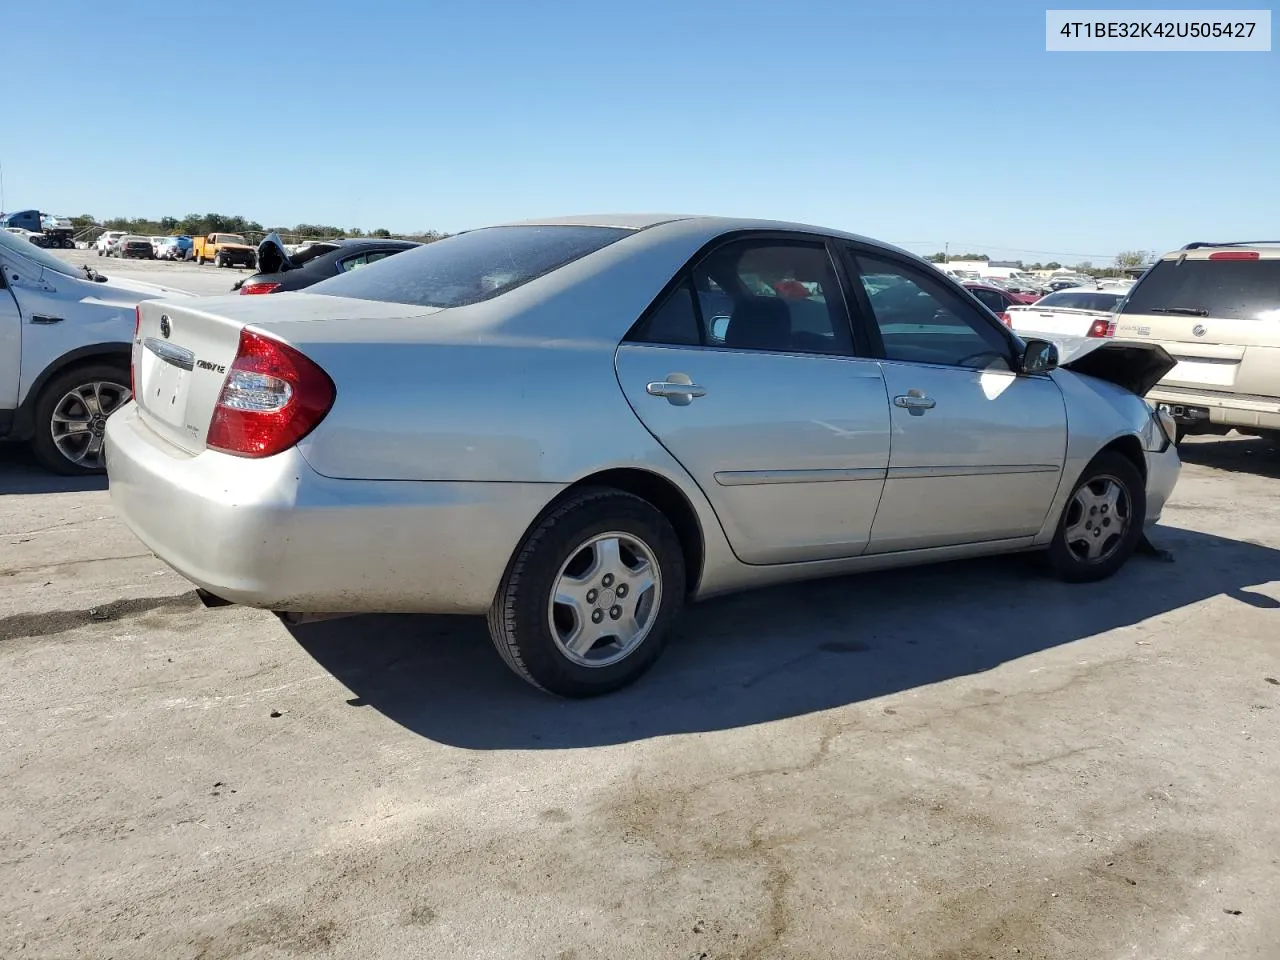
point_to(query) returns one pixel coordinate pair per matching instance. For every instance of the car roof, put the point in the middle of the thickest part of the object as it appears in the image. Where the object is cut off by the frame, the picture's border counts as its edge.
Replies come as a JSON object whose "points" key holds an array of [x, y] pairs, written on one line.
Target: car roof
{"points": [[709, 225]]}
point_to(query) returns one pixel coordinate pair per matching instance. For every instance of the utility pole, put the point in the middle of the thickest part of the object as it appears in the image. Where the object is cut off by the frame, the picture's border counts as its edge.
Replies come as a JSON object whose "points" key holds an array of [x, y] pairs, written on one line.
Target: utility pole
{"points": [[946, 252], [1, 188]]}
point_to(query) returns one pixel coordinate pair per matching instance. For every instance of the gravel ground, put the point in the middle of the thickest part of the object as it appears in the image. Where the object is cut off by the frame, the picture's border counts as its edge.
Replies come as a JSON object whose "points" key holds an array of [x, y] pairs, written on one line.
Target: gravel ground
{"points": [[966, 761], [205, 280]]}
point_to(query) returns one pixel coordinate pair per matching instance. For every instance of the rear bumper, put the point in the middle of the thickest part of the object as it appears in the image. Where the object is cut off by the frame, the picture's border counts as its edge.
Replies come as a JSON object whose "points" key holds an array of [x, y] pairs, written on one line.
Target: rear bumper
{"points": [[1225, 409], [273, 533]]}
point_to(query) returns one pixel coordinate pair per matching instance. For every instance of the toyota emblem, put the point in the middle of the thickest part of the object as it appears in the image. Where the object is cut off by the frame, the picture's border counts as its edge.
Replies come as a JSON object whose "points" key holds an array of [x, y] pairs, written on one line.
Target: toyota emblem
{"points": [[1198, 330], [165, 329]]}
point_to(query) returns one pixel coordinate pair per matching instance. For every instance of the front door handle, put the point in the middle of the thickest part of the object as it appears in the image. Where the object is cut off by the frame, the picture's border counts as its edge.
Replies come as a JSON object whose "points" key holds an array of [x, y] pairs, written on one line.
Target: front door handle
{"points": [[677, 388], [42, 318], [915, 400]]}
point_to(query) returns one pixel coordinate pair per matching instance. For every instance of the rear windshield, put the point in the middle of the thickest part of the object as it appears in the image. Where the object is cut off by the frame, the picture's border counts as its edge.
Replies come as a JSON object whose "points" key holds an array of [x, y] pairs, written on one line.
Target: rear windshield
{"points": [[470, 267], [1081, 300], [1226, 289]]}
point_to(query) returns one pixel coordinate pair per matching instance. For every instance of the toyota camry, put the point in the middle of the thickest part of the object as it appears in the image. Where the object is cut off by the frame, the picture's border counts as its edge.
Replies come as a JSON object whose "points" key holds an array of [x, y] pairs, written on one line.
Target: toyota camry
{"points": [[576, 426]]}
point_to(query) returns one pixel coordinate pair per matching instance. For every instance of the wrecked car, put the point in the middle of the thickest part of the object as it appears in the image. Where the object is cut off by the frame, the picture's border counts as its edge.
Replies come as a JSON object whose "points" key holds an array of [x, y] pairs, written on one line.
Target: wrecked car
{"points": [[576, 426], [279, 271]]}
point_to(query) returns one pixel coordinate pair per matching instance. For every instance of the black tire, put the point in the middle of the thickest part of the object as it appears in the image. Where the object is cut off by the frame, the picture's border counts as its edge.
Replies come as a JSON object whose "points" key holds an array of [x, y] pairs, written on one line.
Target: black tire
{"points": [[1065, 558], [46, 450], [200, 260], [218, 261], [519, 618], [99, 251]]}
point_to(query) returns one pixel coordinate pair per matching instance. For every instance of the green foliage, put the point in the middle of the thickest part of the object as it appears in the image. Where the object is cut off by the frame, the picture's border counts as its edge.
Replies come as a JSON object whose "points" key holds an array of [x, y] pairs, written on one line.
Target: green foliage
{"points": [[196, 224]]}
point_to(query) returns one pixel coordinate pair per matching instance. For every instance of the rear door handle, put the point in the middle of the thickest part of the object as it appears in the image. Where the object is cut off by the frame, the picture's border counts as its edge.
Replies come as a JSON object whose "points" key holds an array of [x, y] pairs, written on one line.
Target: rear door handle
{"points": [[42, 318], [677, 388], [914, 401]]}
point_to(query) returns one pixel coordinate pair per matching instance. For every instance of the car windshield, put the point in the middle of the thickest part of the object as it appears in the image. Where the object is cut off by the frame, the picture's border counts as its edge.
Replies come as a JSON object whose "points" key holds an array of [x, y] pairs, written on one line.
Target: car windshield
{"points": [[1099, 300], [1225, 289], [228, 238], [11, 243], [470, 267]]}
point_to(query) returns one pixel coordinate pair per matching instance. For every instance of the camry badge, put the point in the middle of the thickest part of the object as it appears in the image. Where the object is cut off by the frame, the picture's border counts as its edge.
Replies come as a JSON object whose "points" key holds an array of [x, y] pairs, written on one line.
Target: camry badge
{"points": [[165, 329]]}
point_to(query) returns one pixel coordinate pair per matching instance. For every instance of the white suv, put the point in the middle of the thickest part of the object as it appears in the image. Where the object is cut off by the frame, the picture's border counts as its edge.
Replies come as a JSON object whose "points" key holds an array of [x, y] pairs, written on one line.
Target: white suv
{"points": [[1215, 307], [108, 243]]}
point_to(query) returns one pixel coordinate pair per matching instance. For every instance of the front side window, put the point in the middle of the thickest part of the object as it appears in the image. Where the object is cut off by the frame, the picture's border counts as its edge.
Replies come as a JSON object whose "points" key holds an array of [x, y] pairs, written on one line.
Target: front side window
{"points": [[921, 320], [470, 267]]}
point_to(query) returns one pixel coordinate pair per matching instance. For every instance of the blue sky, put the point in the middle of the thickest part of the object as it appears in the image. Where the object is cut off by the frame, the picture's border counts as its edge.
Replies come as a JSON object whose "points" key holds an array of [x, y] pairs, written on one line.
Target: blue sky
{"points": [[917, 123]]}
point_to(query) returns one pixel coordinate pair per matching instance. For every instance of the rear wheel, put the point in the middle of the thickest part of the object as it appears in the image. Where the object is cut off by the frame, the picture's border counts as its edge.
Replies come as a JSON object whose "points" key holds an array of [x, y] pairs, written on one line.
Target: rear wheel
{"points": [[589, 600], [1102, 521], [200, 260], [71, 417]]}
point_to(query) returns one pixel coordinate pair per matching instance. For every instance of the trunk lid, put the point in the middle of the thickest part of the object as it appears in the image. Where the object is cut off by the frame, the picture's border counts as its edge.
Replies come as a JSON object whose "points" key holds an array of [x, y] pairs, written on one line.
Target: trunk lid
{"points": [[185, 348]]}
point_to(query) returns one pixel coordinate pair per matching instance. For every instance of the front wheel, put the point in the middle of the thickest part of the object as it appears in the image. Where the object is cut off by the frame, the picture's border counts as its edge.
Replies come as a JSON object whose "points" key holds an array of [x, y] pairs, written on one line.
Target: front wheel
{"points": [[71, 417], [1102, 521], [588, 601]]}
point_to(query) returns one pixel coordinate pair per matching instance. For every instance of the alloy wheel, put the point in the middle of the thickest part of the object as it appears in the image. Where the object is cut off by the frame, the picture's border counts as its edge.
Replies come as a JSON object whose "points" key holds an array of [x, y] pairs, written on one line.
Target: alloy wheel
{"points": [[80, 418]]}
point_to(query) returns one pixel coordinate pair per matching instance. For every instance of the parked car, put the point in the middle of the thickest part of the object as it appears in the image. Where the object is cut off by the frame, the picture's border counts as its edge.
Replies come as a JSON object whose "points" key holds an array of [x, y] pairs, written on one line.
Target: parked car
{"points": [[174, 248], [996, 299], [281, 272], [541, 423], [27, 235], [155, 244], [109, 243], [135, 248], [1073, 312], [224, 250], [65, 335], [1216, 308]]}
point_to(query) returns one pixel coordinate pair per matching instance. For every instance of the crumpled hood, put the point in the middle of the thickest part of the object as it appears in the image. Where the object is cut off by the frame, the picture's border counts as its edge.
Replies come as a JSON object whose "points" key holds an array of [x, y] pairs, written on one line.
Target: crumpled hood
{"points": [[1131, 364]]}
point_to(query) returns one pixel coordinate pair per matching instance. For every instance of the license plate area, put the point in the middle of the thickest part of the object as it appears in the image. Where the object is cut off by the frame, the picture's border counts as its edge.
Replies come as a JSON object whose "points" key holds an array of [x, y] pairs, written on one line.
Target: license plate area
{"points": [[166, 373], [1184, 414]]}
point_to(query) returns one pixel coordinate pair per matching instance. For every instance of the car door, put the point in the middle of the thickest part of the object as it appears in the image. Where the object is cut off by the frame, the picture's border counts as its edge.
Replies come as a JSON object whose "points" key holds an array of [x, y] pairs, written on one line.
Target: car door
{"points": [[753, 386], [976, 450]]}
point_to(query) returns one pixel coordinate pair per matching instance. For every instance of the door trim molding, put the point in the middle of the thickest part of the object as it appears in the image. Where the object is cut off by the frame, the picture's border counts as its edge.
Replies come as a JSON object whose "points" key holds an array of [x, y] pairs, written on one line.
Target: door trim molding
{"points": [[741, 478], [916, 473]]}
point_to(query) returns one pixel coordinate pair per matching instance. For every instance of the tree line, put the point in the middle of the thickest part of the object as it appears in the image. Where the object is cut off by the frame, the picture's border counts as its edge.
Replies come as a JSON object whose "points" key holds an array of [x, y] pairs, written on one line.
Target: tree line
{"points": [[196, 224]]}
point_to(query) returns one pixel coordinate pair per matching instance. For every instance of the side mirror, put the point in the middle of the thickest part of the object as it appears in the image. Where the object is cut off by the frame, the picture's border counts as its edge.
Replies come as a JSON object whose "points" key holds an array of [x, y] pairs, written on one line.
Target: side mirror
{"points": [[1041, 356]]}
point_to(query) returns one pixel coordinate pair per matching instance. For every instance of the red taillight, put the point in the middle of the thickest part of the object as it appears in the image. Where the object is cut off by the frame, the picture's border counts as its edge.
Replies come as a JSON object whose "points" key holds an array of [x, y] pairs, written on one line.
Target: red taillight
{"points": [[273, 397], [1102, 328], [261, 286], [1234, 255], [1004, 318], [133, 351]]}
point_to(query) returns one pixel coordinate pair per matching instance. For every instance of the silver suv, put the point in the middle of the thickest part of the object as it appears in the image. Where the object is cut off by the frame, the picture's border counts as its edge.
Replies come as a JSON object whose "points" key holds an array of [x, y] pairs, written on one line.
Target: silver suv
{"points": [[1216, 308]]}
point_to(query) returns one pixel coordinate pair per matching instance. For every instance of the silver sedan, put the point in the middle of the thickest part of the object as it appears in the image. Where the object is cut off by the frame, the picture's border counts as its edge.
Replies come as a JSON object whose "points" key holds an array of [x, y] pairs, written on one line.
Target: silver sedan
{"points": [[576, 426]]}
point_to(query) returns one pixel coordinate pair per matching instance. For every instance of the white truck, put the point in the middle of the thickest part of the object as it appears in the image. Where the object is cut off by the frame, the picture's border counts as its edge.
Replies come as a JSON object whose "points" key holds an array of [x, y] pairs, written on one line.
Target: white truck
{"points": [[66, 336]]}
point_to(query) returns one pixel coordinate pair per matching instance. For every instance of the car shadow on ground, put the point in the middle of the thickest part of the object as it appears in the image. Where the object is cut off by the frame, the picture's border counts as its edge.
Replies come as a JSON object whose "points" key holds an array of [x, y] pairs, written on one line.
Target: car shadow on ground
{"points": [[20, 472], [1234, 453], [776, 653]]}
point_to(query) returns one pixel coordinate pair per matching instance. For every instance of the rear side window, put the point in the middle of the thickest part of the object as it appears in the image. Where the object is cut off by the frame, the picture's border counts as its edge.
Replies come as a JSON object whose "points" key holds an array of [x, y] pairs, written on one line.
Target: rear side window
{"points": [[1226, 289], [470, 267]]}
